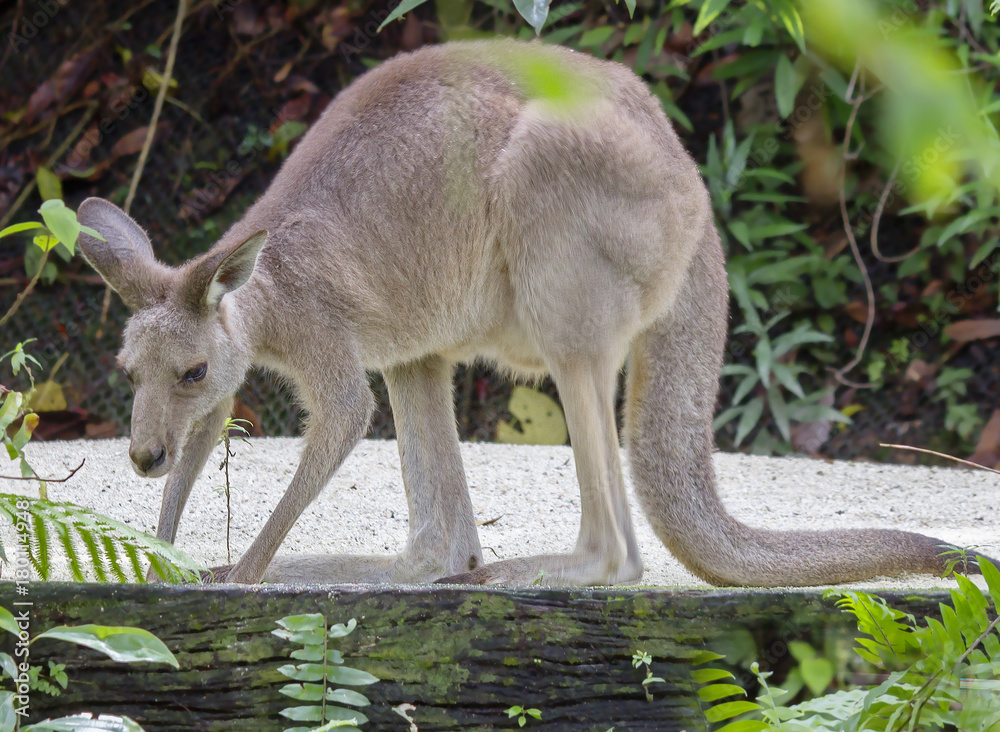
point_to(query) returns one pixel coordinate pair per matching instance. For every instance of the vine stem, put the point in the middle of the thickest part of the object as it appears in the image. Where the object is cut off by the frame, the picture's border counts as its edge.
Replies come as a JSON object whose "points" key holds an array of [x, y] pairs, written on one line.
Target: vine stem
{"points": [[848, 154], [48, 480], [161, 95], [27, 290]]}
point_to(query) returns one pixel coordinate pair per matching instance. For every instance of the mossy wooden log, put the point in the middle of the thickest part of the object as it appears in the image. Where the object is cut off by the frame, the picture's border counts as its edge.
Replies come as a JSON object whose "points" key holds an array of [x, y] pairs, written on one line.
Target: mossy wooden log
{"points": [[460, 656]]}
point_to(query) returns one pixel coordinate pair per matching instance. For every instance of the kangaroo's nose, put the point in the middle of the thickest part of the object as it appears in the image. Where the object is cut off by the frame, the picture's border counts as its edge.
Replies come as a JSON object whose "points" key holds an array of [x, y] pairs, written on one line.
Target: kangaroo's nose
{"points": [[149, 459]]}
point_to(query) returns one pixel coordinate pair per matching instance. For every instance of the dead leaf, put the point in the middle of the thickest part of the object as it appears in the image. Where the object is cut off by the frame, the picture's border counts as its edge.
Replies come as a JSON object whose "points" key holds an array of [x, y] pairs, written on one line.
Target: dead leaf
{"points": [[132, 142], [918, 370], [988, 448], [488, 522], [857, 310], [246, 22], [242, 411], [48, 397], [973, 330], [68, 77], [202, 201], [283, 72]]}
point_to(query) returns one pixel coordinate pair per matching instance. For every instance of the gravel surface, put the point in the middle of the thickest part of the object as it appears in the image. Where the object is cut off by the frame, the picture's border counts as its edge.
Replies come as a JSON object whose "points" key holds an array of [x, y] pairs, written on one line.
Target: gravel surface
{"points": [[531, 492]]}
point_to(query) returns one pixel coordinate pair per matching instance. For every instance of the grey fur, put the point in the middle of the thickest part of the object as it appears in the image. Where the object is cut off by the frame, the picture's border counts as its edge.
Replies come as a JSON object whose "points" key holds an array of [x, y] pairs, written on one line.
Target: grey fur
{"points": [[444, 209]]}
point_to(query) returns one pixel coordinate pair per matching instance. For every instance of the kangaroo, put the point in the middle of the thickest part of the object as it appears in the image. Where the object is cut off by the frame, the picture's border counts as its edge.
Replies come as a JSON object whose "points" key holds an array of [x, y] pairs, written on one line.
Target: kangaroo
{"points": [[497, 200]]}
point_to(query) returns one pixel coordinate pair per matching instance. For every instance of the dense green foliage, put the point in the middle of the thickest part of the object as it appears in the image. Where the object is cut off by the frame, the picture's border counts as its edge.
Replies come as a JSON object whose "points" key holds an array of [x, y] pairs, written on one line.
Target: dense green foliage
{"points": [[938, 675]]}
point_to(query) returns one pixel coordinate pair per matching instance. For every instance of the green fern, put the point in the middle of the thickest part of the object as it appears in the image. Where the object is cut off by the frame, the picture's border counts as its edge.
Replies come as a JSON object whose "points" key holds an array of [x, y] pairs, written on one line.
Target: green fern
{"points": [[95, 546], [942, 675]]}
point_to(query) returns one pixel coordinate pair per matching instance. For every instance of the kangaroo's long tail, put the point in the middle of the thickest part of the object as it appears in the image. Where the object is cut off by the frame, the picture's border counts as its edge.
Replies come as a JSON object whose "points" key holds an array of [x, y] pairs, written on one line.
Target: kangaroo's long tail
{"points": [[672, 386]]}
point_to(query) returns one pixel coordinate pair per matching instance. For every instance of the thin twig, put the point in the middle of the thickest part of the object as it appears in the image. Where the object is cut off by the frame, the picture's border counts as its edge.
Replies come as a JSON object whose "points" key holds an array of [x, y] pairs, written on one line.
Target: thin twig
{"points": [[877, 219], [48, 480], [158, 106], [161, 94], [856, 102], [941, 455], [27, 290]]}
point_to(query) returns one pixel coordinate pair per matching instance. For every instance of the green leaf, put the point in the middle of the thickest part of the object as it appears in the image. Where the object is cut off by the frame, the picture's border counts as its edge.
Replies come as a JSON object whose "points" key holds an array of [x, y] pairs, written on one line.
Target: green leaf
{"points": [[749, 419], [779, 410], [533, 11], [728, 710], [303, 671], [708, 13], [49, 185], [92, 232], [307, 621], [719, 691], [8, 717], [7, 622], [304, 713], [745, 725], [61, 221], [630, 4], [340, 630], [8, 664], [992, 576], [343, 675], [785, 86], [303, 692], [347, 696], [122, 644], [818, 674], [793, 23], [707, 675], [787, 379], [18, 228], [344, 715], [86, 723], [596, 36], [404, 7]]}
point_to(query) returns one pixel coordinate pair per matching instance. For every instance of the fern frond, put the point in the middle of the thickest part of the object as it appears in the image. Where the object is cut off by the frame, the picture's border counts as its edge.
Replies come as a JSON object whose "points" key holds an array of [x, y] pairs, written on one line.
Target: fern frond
{"points": [[94, 545]]}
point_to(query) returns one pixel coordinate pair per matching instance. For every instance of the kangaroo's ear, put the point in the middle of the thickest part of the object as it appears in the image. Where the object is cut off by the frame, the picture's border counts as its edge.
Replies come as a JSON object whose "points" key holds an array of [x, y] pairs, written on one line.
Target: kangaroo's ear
{"points": [[125, 259], [221, 271]]}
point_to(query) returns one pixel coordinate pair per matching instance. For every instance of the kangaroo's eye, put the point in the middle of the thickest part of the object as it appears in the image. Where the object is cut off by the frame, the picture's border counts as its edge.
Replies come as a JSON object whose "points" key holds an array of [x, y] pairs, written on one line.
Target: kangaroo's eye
{"points": [[195, 374]]}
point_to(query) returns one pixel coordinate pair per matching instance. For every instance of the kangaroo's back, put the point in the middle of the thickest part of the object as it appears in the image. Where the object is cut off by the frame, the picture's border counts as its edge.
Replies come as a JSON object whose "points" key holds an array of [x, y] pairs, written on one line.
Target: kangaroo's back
{"points": [[512, 202]]}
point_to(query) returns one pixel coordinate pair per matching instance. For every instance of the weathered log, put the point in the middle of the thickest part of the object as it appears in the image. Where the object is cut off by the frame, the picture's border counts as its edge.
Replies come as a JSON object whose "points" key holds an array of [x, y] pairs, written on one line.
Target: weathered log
{"points": [[461, 656]]}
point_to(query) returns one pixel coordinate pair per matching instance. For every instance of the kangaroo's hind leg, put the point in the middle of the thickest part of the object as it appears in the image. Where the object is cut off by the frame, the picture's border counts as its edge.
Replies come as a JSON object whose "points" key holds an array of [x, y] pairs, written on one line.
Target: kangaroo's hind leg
{"points": [[606, 551]]}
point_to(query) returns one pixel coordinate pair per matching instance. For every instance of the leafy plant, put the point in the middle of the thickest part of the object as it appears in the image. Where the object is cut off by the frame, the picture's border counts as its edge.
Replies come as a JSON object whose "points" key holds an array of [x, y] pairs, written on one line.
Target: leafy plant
{"points": [[774, 374], [962, 418], [639, 659], [933, 671], [322, 668], [121, 644], [523, 713], [232, 425], [93, 545]]}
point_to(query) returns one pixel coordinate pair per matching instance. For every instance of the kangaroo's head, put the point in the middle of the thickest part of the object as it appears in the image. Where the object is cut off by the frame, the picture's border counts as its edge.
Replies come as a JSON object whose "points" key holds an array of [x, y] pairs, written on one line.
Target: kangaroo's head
{"points": [[182, 351]]}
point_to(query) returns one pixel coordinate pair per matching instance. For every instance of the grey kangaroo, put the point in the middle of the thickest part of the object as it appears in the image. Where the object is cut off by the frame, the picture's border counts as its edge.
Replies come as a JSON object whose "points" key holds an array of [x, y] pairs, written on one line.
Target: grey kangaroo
{"points": [[517, 203]]}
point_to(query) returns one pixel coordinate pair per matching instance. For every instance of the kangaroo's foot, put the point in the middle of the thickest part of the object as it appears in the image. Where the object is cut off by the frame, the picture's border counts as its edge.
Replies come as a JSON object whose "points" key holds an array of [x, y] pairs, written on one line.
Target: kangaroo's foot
{"points": [[553, 570], [343, 569]]}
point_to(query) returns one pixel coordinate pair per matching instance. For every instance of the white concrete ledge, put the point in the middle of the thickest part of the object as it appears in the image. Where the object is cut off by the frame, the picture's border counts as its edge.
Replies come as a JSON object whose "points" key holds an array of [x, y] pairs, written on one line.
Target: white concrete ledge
{"points": [[532, 491]]}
